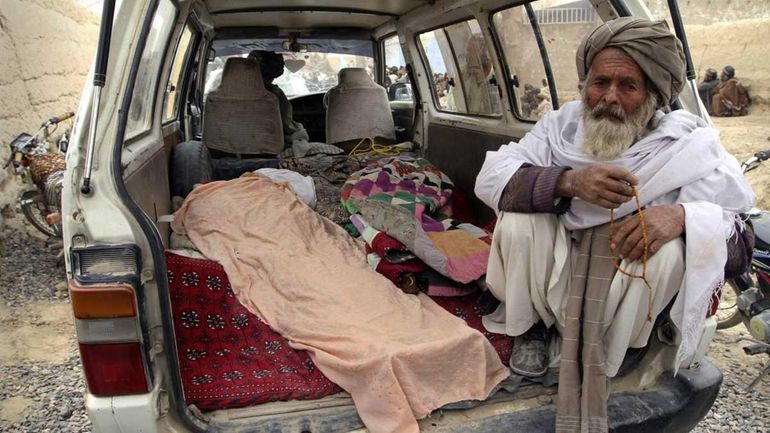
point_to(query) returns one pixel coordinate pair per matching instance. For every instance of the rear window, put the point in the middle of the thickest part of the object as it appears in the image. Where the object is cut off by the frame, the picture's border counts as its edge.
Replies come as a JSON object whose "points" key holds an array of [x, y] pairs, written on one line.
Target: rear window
{"points": [[461, 69]]}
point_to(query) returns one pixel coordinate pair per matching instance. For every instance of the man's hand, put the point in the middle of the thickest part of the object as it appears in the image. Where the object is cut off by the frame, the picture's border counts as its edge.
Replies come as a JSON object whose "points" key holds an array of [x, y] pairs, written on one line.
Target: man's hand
{"points": [[664, 223], [600, 184]]}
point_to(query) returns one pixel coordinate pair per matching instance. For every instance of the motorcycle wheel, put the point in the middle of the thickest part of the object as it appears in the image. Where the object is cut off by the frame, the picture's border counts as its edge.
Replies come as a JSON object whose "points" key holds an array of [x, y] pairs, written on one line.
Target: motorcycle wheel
{"points": [[34, 209], [727, 313]]}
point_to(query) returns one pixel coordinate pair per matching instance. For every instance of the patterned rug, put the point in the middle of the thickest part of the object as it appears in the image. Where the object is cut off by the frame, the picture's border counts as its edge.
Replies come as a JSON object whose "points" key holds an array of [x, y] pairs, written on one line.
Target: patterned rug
{"points": [[229, 358]]}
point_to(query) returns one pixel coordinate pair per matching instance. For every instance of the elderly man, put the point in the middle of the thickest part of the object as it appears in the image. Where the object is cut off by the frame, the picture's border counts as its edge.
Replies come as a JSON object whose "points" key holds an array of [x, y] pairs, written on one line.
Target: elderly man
{"points": [[568, 193], [729, 98]]}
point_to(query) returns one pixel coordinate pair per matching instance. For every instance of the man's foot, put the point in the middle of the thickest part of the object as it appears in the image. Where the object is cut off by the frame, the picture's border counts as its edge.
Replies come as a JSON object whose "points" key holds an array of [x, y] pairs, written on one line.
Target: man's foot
{"points": [[529, 357]]}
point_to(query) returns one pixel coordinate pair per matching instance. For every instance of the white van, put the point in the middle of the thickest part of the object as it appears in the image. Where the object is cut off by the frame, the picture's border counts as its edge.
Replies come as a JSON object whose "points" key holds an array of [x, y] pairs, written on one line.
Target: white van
{"points": [[143, 138]]}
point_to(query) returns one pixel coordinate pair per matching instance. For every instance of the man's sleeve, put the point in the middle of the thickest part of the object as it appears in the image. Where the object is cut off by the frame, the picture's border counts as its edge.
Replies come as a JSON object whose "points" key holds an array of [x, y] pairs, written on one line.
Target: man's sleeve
{"points": [[740, 249], [532, 189]]}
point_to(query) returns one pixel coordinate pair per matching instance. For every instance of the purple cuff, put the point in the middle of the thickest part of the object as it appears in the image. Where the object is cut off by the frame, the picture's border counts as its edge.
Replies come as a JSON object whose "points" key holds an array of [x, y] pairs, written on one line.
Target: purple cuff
{"points": [[544, 191]]}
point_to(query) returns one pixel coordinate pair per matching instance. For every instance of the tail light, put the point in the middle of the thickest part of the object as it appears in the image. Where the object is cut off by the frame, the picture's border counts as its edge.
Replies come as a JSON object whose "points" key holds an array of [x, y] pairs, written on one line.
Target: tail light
{"points": [[114, 368], [104, 303]]}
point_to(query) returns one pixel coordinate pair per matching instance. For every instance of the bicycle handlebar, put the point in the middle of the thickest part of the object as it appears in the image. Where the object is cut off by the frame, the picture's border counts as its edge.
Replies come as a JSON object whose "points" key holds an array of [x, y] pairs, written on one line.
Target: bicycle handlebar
{"points": [[56, 119]]}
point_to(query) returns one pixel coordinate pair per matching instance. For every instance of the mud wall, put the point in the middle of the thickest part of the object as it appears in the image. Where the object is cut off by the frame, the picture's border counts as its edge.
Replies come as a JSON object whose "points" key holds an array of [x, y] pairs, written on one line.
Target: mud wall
{"points": [[47, 47]]}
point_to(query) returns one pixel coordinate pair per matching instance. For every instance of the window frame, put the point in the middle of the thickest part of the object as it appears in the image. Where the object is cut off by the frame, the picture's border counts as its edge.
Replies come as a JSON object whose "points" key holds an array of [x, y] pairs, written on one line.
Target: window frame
{"points": [[132, 136], [184, 72], [426, 65], [512, 95]]}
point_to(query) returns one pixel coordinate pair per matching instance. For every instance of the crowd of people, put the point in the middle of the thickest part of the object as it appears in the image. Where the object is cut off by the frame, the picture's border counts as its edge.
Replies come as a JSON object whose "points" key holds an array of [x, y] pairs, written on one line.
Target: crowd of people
{"points": [[724, 96]]}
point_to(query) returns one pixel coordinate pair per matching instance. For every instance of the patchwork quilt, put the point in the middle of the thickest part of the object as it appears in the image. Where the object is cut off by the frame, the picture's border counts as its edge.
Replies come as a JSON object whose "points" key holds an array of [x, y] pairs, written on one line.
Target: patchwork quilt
{"points": [[406, 198]]}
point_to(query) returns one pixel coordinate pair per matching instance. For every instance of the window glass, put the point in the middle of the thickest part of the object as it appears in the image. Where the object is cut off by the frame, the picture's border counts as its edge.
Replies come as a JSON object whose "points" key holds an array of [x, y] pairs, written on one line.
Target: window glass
{"points": [[563, 25], [461, 69], [140, 111], [312, 72], [530, 88], [396, 80], [174, 78]]}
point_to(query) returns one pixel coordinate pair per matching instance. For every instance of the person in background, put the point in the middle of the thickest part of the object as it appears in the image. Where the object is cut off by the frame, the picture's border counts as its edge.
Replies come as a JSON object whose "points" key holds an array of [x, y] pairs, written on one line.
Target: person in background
{"points": [[710, 81], [729, 98], [543, 105], [271, 64], [568, 220]]}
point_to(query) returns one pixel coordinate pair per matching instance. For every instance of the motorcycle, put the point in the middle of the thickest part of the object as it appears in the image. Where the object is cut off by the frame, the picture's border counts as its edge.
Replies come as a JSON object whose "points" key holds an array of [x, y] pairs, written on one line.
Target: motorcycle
{"points": [[746, 298], [42, 172]]}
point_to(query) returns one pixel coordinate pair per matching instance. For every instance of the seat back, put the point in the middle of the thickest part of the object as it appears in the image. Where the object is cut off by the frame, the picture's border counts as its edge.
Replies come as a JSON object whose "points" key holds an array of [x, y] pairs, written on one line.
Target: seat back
{"points": [[241, 116], [357, 108]]}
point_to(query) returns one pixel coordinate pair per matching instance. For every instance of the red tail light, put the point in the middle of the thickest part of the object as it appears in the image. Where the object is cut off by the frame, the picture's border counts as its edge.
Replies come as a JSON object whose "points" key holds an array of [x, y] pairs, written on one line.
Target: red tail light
{"points": [[114, 368]]}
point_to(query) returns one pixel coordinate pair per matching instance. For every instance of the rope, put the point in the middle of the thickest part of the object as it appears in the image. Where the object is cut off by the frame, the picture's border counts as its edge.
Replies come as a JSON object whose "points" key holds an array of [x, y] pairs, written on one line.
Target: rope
{"points": [[643, 275], [374, 149]]}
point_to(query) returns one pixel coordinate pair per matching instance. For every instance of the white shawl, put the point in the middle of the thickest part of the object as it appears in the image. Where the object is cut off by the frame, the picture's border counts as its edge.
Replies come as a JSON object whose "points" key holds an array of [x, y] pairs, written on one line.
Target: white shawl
{"points": [[680, 161]]}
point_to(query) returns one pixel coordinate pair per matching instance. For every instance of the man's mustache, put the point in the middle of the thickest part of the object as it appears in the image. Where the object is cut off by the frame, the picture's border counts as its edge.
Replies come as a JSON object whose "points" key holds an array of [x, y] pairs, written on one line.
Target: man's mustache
{"points": [[613, 111]]}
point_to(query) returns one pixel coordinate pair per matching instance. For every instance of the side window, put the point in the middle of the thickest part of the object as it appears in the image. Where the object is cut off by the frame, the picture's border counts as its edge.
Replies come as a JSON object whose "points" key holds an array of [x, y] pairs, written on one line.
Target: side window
{"points": [[395, 78], [171, 96], [562, 25], [525, 64], [140, 111], [461, 69]]}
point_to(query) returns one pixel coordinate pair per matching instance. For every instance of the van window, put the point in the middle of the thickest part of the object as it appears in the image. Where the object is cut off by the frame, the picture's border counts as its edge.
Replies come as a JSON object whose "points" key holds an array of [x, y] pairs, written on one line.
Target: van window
{"points": [[140, 111], [563, 25], [461, 69], [172, 87], [531, 98], [395, 79]]}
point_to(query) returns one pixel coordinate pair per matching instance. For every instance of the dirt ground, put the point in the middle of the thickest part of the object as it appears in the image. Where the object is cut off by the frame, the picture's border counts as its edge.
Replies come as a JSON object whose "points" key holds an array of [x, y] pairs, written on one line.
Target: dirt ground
{"points": [[743, 136]]}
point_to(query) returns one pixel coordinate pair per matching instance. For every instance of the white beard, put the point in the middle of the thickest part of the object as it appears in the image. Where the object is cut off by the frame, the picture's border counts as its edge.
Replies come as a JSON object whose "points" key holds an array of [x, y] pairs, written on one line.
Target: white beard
{"points": [[608, 131]]}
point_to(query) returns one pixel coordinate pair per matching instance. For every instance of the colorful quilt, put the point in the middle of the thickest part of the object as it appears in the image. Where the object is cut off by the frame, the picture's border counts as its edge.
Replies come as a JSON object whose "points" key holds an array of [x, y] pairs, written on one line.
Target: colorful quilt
{"points": [[228, 358], [392, 259], [404, 197]]}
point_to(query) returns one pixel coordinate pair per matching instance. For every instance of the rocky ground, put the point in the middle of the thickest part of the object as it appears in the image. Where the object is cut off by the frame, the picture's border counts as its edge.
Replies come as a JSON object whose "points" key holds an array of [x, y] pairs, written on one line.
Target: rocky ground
{"points": [[41, 385]]}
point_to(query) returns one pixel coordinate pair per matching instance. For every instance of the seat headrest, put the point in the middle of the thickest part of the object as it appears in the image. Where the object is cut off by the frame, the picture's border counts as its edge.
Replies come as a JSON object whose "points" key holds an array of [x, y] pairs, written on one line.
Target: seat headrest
{"points": [[236, 73], [355, 77]]}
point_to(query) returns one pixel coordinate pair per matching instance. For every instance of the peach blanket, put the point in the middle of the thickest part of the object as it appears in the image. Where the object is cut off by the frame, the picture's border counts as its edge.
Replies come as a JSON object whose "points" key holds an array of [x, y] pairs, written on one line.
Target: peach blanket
{"points": [[399, 356]]}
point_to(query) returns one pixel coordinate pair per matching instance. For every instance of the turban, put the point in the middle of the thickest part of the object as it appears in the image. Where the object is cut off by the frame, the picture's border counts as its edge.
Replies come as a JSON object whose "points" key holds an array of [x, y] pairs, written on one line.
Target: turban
{"points": [[650, 44]]}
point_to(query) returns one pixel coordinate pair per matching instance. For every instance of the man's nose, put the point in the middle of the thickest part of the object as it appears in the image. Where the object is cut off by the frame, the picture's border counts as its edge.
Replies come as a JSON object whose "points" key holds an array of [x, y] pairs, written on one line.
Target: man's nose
{"points": [[611, 95]]}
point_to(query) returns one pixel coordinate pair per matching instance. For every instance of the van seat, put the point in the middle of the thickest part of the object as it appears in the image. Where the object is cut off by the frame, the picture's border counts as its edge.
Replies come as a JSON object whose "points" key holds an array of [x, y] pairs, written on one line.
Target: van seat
{"points": [[357, 108], [241, 116]]}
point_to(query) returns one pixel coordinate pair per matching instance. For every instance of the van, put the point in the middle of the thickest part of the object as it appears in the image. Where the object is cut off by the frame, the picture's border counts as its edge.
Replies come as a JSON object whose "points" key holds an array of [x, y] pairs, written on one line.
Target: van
{"points": [[454, 79]]}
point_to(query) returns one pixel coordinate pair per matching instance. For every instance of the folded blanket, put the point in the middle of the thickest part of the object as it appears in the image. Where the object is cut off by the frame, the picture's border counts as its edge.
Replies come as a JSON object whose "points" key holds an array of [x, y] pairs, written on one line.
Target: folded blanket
{"points": [[403, 197], [399, 356], [392, 259]]}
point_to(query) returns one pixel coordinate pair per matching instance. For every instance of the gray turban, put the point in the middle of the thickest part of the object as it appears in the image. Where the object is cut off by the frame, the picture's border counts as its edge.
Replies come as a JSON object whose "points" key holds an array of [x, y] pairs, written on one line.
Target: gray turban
{"points": [[653, 47]]}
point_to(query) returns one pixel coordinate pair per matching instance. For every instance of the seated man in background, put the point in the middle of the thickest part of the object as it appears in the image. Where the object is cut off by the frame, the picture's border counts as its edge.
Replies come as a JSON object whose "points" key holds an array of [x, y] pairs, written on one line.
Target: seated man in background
{"points": [[271, 64], [710, 81], [567, 200], [730, 98]]}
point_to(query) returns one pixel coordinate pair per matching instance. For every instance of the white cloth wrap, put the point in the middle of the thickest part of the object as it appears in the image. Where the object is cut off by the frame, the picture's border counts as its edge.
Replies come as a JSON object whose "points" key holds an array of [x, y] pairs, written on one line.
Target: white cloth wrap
{"points": [[680, 161]]}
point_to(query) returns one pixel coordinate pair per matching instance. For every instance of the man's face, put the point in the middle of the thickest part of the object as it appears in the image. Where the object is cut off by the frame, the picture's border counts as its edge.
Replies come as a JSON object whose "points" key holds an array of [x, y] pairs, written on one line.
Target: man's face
{"points": [[615, 81], [617, 107]]}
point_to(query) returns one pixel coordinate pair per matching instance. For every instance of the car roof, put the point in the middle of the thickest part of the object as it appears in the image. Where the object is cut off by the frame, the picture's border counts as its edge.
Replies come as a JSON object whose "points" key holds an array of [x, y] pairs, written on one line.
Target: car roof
{"points": [[303, 14]]}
